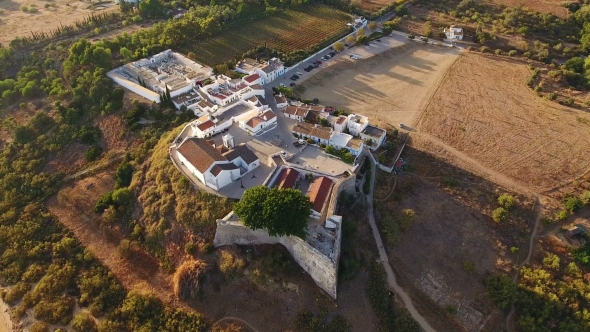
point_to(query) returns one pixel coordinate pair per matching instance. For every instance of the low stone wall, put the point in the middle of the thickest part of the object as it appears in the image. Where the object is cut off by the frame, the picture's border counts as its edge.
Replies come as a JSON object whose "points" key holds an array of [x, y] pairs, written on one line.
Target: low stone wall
{"points": [[321, 268]]}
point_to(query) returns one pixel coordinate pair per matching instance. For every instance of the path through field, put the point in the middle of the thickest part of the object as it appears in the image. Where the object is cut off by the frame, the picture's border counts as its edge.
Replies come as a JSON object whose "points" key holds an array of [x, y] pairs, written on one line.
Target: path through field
{"points": [[385, 260]]}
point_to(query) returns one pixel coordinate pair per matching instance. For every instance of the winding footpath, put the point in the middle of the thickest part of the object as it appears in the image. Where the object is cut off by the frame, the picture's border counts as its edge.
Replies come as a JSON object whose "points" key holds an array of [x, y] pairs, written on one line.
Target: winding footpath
{"points": [[391, 280]]}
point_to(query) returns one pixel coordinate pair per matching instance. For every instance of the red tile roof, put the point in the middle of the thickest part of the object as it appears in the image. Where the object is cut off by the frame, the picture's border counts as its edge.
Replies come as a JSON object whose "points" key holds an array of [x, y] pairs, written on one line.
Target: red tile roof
{"points": [[199, 153], [287, 178], [255, 121], [251, 78], [269, 115], [318, 192], [206, 125], [341, 119]]}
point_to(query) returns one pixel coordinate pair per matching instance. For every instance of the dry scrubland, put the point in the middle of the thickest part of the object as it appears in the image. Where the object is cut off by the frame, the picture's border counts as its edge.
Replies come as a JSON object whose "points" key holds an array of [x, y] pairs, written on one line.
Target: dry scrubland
{"points": [[16, 23], [459, 242], [389, 88], [483, 108], [545, 6]]}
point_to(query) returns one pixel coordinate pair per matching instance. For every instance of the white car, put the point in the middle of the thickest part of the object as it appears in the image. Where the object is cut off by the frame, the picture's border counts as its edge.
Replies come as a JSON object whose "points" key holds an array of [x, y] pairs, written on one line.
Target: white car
{"points": [[283, 153], [282, 85], [299, 74]]}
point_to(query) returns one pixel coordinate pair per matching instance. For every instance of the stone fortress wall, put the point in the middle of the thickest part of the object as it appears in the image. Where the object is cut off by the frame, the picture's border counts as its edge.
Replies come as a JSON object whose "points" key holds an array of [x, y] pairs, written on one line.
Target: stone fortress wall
{"points": [[322, 269]]}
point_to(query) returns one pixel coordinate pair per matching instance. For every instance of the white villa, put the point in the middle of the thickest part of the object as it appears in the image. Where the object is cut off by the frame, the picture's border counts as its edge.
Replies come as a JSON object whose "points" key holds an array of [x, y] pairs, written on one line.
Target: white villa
{"points": [[454, 32], [216, 167], [166, 71], [261, 72], [326, 135], [259, 123]]}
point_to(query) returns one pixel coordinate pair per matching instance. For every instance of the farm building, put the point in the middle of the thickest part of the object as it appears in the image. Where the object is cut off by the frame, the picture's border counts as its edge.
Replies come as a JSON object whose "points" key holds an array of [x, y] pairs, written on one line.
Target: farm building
{"points": [[216, 167], [165, 72], [454, 32], [265, 72]]}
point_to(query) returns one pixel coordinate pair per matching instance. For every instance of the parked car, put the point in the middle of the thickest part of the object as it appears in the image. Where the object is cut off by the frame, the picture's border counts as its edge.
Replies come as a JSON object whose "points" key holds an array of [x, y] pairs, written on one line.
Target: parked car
{"points": [[299, 74], [292, 78], [367, 44], [292, 84], [283, 153], [326, 57], [379, 40], [332, 54], [310, 67], [282, 85], [306, 69], [374, 42], [315, 100], [319, 62], [315, 65]]}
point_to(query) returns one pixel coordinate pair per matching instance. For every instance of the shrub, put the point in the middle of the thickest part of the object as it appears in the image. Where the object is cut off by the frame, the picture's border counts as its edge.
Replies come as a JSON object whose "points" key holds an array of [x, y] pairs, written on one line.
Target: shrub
{"points": [[124, 248], [191, 248], [514, 250], [498, 51], [585, 197], [562, 215], [527, 54], [24, 8], [484, 49], [406, 219], [499, 214], [506, 201], [229, 264], [551, 261], [55, 311], [207, 248], [187, 279], [322, 145], [538, 88], [469, 48], [572, 203], [512, 53], [310, 141], [33, 10], [501, 290], [39, 327], [551, 96], [83, 322], [93, 153], [411, 35]]}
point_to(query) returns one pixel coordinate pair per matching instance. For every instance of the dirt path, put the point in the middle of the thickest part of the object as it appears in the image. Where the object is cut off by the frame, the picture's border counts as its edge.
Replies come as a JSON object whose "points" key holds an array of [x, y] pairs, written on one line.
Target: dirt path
{"points": [[391, 280], [5, 320]]}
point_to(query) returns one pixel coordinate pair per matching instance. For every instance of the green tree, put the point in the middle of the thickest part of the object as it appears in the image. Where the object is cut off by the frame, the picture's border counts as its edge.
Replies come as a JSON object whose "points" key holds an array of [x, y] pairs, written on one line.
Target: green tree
{"points": [[83, 322], [372, 25], [350, 39], [124, 175], [93, 153], [575, 64], [339, 46], [362, 39], [280, 212], [501, 290], [121, 197]]}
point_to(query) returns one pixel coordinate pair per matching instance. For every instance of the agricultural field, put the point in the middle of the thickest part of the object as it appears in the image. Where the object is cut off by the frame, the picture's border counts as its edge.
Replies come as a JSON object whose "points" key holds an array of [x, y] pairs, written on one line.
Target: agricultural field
{"points": [[503, 125], [44, 16], [285, 31]]}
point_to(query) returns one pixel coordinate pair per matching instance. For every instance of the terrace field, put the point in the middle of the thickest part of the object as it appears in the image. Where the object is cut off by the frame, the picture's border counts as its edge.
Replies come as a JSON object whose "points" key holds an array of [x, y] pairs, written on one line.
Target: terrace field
{"points": [[285, 31]]}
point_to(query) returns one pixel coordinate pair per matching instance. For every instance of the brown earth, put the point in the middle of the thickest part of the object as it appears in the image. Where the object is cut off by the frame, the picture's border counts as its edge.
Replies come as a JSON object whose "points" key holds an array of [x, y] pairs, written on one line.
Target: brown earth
{"points": [[460, 244], [389, 88], [271, 305], [484, 109], [16, 23]]}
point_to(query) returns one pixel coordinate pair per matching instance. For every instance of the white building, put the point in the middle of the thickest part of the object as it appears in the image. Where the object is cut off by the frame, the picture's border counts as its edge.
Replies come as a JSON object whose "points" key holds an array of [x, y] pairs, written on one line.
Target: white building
{"points": [[317, 133], [267, 71], [260, 123], [216, 167], [357, 123], [281, 102], [164, 72], [454, 32], [375, 136], [347, 142], [340, 123]]}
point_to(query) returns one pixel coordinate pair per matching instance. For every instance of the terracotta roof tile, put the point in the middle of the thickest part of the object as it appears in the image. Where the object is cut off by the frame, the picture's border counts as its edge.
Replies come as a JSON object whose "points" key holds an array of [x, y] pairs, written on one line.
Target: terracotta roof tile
{"points": [[251, 78], [287, 178], [206, 125], [199, 153], [222, 167], [243, 151], [318, 192]]}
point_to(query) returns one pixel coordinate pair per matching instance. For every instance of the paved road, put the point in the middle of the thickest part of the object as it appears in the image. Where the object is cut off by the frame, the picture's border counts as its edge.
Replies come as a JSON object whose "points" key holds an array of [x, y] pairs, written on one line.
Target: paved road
{"points": [[385, 260]]}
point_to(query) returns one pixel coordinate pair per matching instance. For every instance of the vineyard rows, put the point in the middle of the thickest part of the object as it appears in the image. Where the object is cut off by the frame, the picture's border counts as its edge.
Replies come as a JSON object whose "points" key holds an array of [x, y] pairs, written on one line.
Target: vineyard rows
{"points": [[287, 31]]}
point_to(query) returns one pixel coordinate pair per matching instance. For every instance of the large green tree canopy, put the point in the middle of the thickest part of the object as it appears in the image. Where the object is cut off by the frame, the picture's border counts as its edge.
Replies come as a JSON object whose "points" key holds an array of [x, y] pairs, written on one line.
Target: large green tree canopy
{"points": [[280, 212]]}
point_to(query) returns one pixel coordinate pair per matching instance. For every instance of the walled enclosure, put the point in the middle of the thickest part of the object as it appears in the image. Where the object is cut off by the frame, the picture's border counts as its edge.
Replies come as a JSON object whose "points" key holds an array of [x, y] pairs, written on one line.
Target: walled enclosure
{"points": [[322, 269]]}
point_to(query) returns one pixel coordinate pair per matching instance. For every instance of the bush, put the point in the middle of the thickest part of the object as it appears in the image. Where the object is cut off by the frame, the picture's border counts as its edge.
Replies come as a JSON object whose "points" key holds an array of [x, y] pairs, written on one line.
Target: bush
{"points": [[310, 141], [93, 153], [484, 49], [562, 215], [83, 322], [33, 10], [551, 96], [39, 327], [572, 203], [501, 290], [322, 145], [124, 248], [187, 279], [411, 35], [191, 248], [229, 264], [585, 197], [499, 214], [512, 53], [24, 8], [498, 51], [527, 54], [506, 201]]}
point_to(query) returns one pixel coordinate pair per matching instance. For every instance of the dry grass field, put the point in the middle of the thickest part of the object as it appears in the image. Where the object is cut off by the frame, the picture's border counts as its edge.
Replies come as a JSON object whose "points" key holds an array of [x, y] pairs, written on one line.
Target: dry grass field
{"points": [[389, 88], [544, 6], [16, 23], [484, 109]]}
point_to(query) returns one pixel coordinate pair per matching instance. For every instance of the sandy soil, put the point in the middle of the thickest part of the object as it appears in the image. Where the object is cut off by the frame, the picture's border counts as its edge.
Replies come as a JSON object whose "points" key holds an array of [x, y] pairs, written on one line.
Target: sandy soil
{"points": [[483, 108], [16, 23], [5, 321], [389, 88]]}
